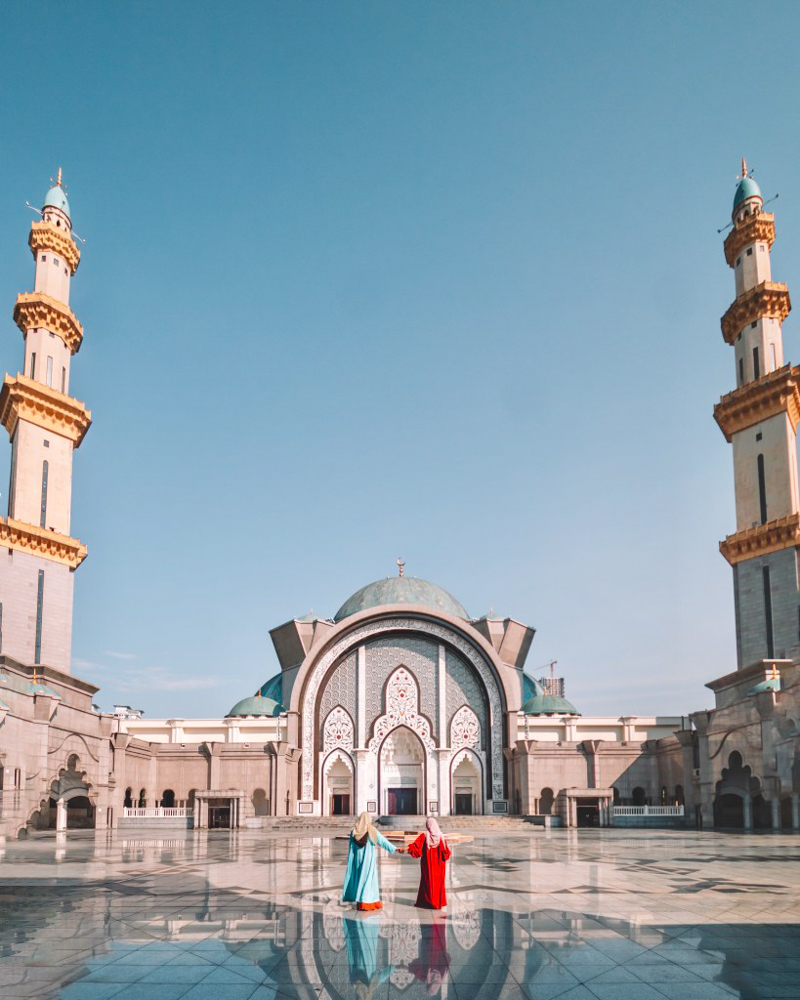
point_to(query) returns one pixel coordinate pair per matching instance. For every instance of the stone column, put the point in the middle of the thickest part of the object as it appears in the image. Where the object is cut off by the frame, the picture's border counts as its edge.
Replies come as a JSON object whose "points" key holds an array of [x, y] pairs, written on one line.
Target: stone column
{"points": [[796, 810], [61, 814], [748, 811], [361, 695], [361, 789], [445, 792], [775, 804]]}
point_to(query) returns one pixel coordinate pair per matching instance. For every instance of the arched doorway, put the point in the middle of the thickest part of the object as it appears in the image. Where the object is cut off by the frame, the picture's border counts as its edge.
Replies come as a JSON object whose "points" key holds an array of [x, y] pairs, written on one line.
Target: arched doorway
{"points": [[467, 784], [338, 791], [80, 813], [729, 811], [260, 802], [546, 802], [402, 774], [638, 796], [168, 799]]}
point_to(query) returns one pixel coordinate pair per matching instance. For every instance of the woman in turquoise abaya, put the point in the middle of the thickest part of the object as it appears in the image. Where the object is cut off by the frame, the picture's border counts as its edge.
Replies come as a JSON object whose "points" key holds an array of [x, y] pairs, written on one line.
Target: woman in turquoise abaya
{"points": [[361, 879]]}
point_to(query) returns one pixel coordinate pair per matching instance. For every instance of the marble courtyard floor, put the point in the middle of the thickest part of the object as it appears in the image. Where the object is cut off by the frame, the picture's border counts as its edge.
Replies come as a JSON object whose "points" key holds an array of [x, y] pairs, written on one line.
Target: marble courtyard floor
{"points": [[579, 915]]}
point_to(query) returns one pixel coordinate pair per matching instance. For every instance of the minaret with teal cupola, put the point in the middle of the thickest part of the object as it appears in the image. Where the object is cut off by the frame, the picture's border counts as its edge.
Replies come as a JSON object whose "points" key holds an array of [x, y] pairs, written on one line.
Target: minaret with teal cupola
{"points": [[759, 419], [38, 554]]}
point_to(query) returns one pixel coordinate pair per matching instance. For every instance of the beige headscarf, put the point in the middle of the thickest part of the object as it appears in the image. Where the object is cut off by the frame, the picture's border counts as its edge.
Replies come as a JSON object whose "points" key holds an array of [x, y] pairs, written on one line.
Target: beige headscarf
{"points": [[363, 827]]}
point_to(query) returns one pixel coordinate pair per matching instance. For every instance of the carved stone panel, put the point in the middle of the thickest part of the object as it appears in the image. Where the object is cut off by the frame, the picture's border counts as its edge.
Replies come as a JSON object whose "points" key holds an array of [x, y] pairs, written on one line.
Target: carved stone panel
{"points": [[384, 656]]}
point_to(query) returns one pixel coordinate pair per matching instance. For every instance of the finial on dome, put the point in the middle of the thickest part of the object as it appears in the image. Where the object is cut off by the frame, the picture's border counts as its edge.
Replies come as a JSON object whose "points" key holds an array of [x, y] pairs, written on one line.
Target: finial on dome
{"points": [[401, 565], [744, 168], [58, 177]]}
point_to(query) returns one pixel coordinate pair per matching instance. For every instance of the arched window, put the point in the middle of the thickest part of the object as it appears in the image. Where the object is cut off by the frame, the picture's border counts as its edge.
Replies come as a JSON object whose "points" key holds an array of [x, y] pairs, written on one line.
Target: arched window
{"points": [[128, 801], [546, 802], [142, 798], [679, 795], [168, 799], [638, 796]]}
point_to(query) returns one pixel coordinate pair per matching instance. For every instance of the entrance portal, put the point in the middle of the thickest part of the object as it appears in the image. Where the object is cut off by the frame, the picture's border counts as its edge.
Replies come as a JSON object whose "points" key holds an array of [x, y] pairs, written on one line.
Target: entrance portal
{"points": [[402, 801], [588, 812], [401, 773], [219, 814], [466, 784], [341, 804], [463, 803]]}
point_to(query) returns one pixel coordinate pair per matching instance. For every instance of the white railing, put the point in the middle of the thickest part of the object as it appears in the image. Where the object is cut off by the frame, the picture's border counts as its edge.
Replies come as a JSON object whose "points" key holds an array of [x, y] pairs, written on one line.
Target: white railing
{"points": [[156, 812], [647, 810]]}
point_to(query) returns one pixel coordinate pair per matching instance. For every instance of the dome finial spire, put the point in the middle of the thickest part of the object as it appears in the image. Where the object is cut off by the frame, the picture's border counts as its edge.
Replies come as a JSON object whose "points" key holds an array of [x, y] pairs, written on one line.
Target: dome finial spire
{"points": [[58, 177], [400, 565], [744, 168]]}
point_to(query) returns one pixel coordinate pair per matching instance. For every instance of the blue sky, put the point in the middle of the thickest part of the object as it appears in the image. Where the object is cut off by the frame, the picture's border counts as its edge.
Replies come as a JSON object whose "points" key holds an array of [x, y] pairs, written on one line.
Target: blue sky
{"points": [[439, 280]]}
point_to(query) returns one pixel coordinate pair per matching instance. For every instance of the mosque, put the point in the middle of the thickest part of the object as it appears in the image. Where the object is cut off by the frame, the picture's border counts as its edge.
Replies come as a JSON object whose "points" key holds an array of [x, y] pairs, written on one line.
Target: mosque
{"points": [[401, 703]]}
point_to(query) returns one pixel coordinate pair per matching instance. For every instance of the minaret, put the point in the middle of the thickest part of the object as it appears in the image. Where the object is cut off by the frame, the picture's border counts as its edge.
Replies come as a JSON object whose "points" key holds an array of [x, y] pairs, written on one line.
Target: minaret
{"points": [[37, 552], [759, 418]]}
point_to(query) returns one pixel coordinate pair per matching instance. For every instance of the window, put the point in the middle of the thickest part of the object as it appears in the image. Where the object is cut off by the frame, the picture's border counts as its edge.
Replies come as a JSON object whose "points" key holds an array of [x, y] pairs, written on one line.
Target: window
{"points": [[37, 649], [43, 512], [56, 261], [749, 251], [44, 258], [754, 324], [774, 356], [741, 371], [46, 443], [50, 372], [32, 373], [767, 613], [756, 366], [762, 491], [759, 436], [63, 379], [738, 261]]}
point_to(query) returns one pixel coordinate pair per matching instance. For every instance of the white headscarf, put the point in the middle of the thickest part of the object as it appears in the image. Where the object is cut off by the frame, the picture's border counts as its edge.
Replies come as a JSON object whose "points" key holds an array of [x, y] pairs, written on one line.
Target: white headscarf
{"points": [[434, 834], [363, 827]]}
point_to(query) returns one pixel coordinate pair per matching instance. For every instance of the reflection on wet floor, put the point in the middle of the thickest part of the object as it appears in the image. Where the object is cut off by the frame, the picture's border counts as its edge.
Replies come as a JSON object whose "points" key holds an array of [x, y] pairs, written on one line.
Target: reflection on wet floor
{"points": [[585, 915]]}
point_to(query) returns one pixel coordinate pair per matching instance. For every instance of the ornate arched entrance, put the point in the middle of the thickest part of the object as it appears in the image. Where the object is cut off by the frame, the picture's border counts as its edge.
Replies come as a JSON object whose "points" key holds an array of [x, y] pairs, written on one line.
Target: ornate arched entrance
{"points": [[401, 771]]}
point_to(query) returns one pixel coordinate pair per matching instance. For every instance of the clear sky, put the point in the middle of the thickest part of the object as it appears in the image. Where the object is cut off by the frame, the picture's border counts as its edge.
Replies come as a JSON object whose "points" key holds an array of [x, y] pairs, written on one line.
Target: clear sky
{"points": [[421, 279]]}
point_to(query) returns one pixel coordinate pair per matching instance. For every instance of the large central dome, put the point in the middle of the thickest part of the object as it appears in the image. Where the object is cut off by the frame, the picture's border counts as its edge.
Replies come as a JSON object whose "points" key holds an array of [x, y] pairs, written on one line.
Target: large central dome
{"points": [[401, 590]]}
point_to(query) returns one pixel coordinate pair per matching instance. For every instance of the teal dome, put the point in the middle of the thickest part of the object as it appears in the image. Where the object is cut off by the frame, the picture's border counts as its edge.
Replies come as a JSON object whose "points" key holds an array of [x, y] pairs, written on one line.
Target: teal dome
{"points": [[56, 197], [770, 684], [401, 590], [273, 689], [256, 704], [530, 688], [546, 704], [746, 188]]}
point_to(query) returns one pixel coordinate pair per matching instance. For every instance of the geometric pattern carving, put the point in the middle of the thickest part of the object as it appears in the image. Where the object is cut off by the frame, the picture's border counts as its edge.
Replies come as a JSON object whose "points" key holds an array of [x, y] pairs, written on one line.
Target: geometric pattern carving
{"points": [[340, 689], [338, 731], [463, 688], [430, 630], [465, 730], [402, 709], [386, 655]]}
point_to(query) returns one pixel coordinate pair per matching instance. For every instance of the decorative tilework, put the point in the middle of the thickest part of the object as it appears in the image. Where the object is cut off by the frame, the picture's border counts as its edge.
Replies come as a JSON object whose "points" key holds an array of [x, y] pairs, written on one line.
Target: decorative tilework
{"points": [[464, 688], [340, 690], [384, 656]]}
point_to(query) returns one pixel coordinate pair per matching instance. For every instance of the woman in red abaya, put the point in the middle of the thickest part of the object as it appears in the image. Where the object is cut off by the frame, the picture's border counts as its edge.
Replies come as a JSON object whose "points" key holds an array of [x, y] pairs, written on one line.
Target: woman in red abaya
{"points": [[433, 852]]}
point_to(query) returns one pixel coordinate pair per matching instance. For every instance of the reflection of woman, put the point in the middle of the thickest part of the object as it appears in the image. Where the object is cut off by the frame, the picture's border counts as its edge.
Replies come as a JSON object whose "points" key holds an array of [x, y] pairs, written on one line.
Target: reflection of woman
{"points": [[434, 960], [362, 956], [433, 852], [361, 878]]}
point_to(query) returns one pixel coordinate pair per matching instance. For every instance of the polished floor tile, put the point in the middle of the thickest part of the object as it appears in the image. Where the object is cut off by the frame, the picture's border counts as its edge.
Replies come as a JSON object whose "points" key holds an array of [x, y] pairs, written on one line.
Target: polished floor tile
{"points": [[574, 915]]}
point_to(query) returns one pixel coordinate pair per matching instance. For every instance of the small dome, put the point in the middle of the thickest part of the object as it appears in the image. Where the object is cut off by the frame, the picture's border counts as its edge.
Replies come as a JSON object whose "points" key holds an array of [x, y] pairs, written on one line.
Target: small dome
{"points": [[770, 684], [401, 590], [42, 689], [256, 704], [546, 704], [56, 197], [746, 188]]}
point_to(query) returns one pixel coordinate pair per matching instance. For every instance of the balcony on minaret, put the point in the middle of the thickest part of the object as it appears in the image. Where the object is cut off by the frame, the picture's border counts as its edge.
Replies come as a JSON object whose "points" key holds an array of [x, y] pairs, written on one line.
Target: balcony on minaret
{"points": [[759, 228], [769, 299]]}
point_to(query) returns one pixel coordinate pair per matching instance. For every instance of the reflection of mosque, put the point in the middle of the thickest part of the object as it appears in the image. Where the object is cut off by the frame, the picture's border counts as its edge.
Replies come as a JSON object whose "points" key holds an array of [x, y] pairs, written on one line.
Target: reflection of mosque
{"points": [[488, 943]]}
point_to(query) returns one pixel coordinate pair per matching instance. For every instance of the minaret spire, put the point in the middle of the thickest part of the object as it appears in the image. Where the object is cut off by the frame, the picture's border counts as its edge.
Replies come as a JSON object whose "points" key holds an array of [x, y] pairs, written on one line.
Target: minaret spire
{"points": [[744, 169], [45, 424], [759, 418]]}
